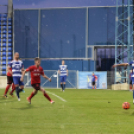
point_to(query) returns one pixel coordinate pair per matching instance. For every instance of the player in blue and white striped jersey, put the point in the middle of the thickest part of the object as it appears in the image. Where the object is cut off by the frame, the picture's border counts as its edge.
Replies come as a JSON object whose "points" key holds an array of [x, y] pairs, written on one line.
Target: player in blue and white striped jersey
{"points": [[132, 73], [17, 67], [63, 71]]}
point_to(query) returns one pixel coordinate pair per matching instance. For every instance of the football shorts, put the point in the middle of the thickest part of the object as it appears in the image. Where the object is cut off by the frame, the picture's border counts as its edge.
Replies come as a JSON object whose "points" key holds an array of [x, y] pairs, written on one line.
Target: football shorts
{"points": [[9, 79]]}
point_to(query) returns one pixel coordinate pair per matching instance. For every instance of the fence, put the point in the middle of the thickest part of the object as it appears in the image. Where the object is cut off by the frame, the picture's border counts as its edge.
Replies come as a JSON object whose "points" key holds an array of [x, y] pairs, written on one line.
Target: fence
{"points": [[72, 79], [55, 83]]}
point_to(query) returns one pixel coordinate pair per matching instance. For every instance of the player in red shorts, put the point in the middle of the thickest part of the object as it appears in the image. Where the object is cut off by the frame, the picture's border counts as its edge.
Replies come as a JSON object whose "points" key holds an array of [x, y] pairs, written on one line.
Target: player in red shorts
{"points": [[36, 71], [9, 83]]}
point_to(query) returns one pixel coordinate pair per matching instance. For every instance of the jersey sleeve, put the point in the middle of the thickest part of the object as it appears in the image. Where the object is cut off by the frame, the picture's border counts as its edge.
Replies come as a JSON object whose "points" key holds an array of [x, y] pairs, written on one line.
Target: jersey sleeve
{"points": [[42, 71], [10, 64], [130, 63], [29, 69]]}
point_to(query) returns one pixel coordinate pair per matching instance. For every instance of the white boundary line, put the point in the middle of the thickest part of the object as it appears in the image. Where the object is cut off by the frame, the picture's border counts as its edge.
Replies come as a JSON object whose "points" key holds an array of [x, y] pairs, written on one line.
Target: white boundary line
{"points": [[56, 96]]}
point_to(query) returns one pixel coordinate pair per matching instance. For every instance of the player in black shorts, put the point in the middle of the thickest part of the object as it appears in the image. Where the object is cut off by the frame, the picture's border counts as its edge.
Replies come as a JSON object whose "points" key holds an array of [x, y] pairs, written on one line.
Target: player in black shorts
{"points": [[94, 78], [9, 83]]}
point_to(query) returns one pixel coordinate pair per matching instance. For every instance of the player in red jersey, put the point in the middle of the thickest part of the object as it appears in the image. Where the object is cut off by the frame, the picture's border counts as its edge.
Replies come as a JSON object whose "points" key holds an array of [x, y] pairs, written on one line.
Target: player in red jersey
{"points": [[36, 71], [9, 83], [94, 79]]}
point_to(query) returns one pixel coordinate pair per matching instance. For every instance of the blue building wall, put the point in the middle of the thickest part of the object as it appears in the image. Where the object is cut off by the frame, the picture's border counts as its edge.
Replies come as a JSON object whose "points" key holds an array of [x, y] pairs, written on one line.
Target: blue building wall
{"points": [[80, 65], [63, 34]]}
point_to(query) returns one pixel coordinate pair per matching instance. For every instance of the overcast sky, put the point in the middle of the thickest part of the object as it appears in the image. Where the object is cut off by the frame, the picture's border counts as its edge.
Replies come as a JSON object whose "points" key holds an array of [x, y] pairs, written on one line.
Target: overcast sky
{"points": [[58, 3]]}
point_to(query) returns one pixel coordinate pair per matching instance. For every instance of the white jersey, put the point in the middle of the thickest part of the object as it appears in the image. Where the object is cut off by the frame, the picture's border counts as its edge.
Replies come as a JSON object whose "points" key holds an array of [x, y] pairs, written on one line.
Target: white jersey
{"points": [[16, 67], [63, 70], [132, 65]]}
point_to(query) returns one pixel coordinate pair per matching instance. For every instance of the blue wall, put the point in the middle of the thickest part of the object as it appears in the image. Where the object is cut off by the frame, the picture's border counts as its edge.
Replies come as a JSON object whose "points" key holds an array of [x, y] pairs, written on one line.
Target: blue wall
{"points": [[63, 34], [81, 65], [101, 26], [60, 3], [26, 33]]}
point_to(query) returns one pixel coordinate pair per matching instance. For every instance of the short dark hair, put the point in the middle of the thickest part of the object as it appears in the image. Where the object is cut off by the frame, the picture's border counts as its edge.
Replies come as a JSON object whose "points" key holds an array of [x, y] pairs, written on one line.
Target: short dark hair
{"points": [[36, 59]]}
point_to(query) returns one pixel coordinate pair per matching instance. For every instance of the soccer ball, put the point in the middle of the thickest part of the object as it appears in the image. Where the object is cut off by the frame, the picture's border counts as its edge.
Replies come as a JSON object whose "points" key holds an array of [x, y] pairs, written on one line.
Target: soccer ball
{"points": [[126, 105]]}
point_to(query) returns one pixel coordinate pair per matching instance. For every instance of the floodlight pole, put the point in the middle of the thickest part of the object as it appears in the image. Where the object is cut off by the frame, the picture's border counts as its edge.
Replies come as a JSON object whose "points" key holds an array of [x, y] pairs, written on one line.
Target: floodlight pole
{"points": [[123, 38]]}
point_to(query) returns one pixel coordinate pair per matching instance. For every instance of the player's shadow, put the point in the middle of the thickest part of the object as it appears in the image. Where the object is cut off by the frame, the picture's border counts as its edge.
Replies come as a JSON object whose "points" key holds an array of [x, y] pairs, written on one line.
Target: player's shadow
{"points": [[25, 108], [2, 98], [6, 100]]}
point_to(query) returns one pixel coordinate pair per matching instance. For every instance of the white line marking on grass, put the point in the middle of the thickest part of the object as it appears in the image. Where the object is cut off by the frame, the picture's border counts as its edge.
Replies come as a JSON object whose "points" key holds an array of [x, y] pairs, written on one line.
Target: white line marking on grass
{"points": [[57, 96]]}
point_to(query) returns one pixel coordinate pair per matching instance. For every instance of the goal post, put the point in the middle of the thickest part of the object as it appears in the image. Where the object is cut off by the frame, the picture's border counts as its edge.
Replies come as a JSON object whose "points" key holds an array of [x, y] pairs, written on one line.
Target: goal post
{"points": [[71, 81]]}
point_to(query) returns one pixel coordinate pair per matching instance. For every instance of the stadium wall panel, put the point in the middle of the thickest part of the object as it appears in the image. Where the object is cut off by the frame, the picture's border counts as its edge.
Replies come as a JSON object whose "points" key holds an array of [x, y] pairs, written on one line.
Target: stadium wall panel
{"points": [[3, 81], [81, 65], [26, 33], [63, 33], [101, 26]]}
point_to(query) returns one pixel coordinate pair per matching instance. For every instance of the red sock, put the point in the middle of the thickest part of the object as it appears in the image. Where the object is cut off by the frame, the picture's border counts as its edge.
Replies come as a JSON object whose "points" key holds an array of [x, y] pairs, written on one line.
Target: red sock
{"points": [[7, 88], [13, 88], [46, 95], [32, 94]]}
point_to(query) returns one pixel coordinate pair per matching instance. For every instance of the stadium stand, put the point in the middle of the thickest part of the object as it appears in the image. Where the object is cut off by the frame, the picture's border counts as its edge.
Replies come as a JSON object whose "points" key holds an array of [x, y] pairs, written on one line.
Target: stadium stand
{"points": [[5, 42]]}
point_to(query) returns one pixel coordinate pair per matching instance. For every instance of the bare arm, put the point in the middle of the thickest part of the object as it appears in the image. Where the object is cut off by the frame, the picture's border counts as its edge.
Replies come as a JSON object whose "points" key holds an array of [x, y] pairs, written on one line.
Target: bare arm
{"points": [[58, 71], [49, 79], [23, 74], [8, 69], [22, 69], [123, 64]]}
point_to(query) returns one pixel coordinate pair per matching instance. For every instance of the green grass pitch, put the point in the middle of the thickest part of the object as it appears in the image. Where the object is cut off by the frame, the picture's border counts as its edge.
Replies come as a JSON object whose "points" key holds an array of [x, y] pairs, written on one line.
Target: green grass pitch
{"points": [[85, 112]]}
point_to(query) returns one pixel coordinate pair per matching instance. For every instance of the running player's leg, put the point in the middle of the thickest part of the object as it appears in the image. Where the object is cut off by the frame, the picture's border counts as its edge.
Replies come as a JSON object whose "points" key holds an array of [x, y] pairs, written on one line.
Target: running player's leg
{"points": [[9, 82], [92, 85], [21, 84], [130, 85], [13, 88], [61, 82], [21, 88], [46, 95], [17, 91], [36, 88], [6, 90], [133, 91], [16, 83], [35, 91], [95, 85], [64, 82], [133, 88], [64, 85]]}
